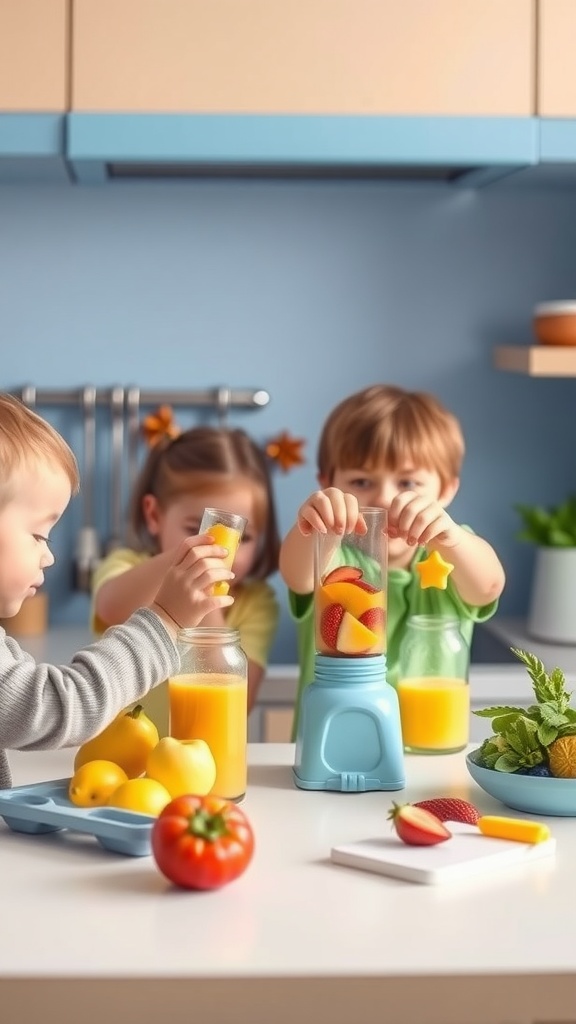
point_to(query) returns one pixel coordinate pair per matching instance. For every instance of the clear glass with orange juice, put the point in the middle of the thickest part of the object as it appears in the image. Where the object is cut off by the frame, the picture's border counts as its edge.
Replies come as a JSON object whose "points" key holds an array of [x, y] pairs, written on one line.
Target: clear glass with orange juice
{"points": [[433, 687], [209, 701], [226, 528]]}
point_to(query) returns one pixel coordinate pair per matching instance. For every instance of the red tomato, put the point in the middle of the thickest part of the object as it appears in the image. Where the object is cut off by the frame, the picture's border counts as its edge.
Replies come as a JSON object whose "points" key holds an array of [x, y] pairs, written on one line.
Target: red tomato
{"points": [[202, 842]]}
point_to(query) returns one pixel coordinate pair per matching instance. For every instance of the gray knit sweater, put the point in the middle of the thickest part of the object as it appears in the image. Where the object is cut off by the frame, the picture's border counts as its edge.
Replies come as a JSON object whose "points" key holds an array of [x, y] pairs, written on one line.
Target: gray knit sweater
{"points": [[43, 707]]}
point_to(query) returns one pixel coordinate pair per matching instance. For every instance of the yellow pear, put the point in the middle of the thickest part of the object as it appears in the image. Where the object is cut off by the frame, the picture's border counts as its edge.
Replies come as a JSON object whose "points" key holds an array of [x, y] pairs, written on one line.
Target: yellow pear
{"points": [[182, 766]]}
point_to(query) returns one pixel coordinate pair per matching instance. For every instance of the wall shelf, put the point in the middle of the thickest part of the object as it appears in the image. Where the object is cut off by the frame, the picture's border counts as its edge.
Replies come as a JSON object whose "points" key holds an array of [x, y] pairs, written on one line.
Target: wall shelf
{"points": [[537, 360]]}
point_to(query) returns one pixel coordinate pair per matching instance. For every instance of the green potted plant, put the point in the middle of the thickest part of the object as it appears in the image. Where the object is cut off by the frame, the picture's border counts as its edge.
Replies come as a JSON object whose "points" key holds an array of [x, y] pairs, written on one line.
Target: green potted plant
{"points": [[552, 610]]}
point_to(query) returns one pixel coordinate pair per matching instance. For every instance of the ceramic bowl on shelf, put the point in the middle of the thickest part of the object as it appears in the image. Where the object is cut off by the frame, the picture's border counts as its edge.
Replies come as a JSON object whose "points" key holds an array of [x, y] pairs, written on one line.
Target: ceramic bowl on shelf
{"points": [[530, 793], [555, 322]]}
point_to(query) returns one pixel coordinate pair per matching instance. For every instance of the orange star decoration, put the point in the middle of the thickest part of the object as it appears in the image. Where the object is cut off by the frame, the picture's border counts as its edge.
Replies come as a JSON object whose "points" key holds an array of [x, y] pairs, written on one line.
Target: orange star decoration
{"points": [[286, 451], [160, 425], [434, 571]]}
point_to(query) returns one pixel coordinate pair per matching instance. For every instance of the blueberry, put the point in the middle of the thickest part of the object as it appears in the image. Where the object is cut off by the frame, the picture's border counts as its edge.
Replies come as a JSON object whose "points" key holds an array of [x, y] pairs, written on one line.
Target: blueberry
{"points": [[539, 770]]}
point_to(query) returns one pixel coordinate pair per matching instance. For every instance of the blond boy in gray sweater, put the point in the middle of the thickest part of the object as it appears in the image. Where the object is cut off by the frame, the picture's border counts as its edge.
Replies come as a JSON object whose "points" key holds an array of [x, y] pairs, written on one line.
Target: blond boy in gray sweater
{"points": [[47, 706]]}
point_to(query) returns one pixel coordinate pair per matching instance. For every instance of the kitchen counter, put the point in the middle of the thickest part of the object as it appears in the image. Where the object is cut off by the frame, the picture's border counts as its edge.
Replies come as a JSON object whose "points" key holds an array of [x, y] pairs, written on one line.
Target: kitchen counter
{"points": [[95, 936]]}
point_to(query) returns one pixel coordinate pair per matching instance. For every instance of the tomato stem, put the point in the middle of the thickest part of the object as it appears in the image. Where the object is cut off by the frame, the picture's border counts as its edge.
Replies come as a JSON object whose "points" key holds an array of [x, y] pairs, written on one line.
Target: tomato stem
{"points": [[207, 826]]}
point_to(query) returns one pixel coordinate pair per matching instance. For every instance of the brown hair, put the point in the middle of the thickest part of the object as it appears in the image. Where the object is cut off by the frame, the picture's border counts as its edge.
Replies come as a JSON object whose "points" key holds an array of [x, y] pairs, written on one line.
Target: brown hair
{"points": [[204, 458], [388, 426], [26, 438]]}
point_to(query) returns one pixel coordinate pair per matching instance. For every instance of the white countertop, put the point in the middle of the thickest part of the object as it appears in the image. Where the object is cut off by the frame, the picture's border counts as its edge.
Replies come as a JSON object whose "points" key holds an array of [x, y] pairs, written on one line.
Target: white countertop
{"points": [[96, 935]]}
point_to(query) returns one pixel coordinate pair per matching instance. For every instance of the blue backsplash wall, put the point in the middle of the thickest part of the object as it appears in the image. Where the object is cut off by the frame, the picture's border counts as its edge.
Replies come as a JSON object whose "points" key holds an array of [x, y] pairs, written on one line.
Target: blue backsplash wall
{"points": [[311, 291]]}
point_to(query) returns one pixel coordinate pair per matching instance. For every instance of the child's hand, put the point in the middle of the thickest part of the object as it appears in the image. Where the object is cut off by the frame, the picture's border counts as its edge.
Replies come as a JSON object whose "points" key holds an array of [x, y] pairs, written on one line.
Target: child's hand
{"points": [[330, 511], [184, 595], [419, 521]]}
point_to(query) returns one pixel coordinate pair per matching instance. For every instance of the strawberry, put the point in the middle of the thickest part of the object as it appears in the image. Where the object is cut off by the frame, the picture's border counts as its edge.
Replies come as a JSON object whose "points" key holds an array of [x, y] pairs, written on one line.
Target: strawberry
{"points": [[341, 573], [450, 808], [364, 586], [330, 624], [416, 826], [373, 619]]}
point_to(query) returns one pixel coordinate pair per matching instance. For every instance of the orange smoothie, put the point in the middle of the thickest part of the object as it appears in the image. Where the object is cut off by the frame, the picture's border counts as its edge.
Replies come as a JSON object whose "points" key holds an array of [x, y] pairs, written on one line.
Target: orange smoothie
{"points": [[228, 538], [214, 709], [435, 714]]}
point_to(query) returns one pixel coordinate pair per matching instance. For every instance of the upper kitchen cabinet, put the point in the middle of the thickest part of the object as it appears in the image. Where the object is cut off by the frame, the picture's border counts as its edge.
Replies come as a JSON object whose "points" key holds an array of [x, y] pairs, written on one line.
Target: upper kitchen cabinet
{"points": [[376, 57], [422, 89], [34, 88], [556, 93], [556, 68], [34, 55]]}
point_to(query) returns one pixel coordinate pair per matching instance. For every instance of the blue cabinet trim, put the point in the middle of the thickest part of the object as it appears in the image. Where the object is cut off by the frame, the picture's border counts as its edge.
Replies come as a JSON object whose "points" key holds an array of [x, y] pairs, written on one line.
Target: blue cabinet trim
{"points": [[558, 140], [82, 147], [32, 148], [347, 141]]}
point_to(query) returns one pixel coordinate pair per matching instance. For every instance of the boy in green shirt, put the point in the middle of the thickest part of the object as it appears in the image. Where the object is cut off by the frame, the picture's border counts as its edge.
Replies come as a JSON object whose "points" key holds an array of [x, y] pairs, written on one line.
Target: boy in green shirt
{"points": [[385, 447]]}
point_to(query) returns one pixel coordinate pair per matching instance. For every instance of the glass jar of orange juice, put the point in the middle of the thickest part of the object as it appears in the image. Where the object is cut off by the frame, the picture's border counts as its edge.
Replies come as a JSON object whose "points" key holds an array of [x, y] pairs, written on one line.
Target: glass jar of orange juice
{"points": [[433, 688], [209, 701]]}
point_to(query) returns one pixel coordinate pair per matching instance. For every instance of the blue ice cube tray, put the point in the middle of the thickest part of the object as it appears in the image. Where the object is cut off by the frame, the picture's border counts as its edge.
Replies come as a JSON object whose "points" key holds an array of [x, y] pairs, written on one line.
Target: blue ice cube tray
{"points": [[45, 807]]}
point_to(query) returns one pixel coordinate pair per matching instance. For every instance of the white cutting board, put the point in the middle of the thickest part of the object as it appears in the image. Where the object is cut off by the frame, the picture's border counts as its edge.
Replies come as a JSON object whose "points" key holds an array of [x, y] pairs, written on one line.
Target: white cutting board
{"points": [[468, 853]]}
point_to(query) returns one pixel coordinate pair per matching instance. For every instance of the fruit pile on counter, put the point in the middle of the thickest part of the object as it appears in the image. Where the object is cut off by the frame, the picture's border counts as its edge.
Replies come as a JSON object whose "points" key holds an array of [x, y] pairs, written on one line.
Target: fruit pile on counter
{"points": [[129, 766]]}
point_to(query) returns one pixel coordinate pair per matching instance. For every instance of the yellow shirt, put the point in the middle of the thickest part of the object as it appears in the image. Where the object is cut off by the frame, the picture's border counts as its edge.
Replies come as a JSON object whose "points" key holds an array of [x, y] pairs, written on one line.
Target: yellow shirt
{"points": [[254, 614]]}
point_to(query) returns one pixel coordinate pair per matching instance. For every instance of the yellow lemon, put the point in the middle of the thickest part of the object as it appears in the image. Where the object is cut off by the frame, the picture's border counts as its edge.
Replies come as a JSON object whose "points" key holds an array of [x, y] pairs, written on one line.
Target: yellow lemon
{"points": [[94, 782], [144, 795]]}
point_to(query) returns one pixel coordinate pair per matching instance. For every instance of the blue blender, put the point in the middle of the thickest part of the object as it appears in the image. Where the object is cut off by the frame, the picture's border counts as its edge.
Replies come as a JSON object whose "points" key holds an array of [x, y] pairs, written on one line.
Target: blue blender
{"points": [[349, 735]]}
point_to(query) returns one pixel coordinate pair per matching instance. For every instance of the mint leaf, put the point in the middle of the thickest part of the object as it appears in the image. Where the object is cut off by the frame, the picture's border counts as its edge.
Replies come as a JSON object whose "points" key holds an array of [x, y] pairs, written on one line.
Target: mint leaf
{"points": [[541, 682], [523, 736], [504, 722], [550, 715], [497, 711], [567, 730], [508, 762], [547, 734]]}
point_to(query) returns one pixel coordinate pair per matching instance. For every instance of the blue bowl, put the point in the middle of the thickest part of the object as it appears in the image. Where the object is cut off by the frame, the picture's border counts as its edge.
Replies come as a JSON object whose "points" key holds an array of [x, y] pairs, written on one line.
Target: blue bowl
{"points": [[525, 792]]}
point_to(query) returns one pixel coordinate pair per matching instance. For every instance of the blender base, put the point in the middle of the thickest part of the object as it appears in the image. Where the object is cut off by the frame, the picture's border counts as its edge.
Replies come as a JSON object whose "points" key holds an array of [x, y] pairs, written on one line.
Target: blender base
{"points": [[349, 735]]}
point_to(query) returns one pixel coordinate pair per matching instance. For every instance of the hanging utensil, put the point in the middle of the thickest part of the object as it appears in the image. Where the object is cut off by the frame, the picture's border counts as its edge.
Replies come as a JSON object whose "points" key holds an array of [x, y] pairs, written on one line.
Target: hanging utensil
{"points": [[87, 551], [223, 402], [29, 395], [133, 422], [116, 460]]}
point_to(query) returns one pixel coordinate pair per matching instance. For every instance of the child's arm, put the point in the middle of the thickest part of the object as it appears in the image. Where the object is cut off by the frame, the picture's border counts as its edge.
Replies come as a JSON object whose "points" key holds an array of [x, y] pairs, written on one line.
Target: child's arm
{"points": [[47, 706], [118, 596], [327, 511], [478, 575]]}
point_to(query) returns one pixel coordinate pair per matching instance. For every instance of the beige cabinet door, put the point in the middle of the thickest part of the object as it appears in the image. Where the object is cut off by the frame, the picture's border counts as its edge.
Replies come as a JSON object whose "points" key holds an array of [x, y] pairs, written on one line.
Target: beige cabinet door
{"points": [[430, 57], [556, 65], [34, 55]]}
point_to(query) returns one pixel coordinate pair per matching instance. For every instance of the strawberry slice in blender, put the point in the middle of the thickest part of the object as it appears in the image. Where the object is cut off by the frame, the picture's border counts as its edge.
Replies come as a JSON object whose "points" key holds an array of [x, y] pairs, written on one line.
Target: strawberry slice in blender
{"points": [[364, 585], [373, 619], [341, 573], [330, 624]]}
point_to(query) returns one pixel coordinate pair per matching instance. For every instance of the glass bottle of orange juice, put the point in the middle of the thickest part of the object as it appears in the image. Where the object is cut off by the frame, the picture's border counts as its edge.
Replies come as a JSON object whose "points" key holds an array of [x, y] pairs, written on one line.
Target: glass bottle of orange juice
{"points": [[209, 701], [433, 687]]}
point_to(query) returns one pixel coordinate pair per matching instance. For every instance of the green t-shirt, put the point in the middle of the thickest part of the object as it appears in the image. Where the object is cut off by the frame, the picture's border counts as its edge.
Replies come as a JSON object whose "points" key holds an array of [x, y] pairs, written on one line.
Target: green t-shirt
{"points": [[405, 598]]}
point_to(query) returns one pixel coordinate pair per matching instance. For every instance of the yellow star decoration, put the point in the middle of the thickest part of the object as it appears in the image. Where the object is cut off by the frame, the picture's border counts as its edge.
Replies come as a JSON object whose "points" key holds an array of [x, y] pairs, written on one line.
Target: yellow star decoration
{"points": [[434, 571], [160, 425], [286, 450]]}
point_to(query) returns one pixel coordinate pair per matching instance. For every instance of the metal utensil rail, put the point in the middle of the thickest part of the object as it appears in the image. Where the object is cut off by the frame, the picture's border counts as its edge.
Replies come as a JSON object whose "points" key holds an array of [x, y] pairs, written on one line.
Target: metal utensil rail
{"points": [[125, 404], [219, 397]]}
